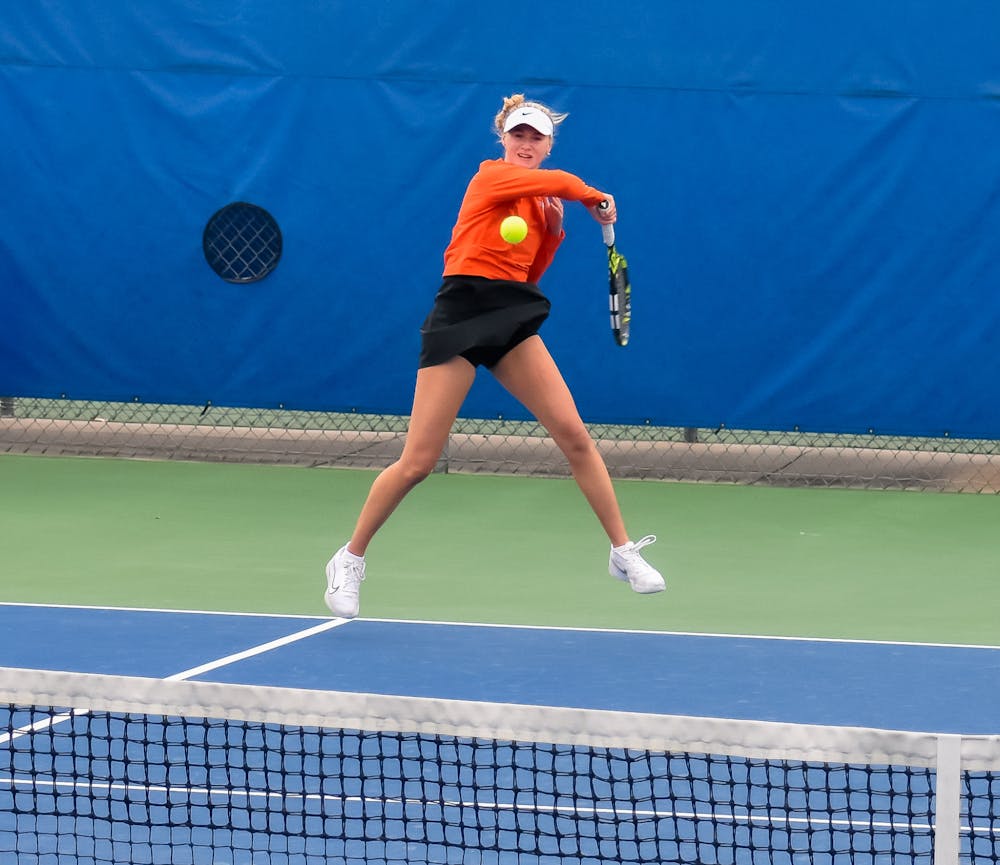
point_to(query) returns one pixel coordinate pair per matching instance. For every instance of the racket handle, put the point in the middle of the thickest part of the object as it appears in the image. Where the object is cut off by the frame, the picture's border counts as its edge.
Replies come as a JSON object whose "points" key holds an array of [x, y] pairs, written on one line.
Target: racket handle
{"points": [[607, 230]]}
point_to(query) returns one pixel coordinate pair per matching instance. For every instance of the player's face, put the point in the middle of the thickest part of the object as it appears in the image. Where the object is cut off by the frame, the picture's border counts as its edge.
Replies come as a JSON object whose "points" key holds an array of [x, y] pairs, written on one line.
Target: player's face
{"points": [[526, 146]]}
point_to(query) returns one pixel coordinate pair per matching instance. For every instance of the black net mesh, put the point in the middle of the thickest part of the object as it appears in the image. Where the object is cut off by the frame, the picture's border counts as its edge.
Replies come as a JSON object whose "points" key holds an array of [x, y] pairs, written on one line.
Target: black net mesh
{"points": [[80, 787]]}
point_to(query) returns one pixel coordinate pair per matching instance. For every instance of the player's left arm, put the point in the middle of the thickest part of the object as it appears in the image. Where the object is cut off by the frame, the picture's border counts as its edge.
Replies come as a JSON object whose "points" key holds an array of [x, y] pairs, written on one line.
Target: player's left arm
{"points": [[500, 181], [605, 211]]}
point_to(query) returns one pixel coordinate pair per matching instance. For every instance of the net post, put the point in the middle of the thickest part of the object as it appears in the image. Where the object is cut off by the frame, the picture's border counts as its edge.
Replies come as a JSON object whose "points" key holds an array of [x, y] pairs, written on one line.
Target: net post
{"points": [[947, 821]]}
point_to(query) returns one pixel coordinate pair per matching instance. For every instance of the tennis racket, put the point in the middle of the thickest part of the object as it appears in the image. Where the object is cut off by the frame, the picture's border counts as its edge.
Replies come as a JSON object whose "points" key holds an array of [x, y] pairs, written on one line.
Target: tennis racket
{"points": [[619, 287]]}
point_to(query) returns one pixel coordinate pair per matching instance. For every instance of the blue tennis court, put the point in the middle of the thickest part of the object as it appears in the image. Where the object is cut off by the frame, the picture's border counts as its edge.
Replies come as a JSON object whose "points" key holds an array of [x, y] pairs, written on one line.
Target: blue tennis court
{"points": [[800, 681], [896, 686], [230, 793]]}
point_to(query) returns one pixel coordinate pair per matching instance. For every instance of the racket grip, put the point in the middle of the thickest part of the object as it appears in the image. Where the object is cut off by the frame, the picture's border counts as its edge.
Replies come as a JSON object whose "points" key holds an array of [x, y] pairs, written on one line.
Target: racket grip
{"points": [[607, 230]]}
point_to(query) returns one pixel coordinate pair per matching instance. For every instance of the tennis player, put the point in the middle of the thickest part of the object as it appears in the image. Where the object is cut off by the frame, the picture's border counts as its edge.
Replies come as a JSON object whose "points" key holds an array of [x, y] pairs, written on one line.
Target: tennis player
{"points": [[488, 312]]}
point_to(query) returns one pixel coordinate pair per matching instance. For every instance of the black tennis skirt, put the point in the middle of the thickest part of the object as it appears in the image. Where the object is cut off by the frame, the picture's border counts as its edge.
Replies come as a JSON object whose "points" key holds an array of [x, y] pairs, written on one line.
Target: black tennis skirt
{"points": [[480, 319]]}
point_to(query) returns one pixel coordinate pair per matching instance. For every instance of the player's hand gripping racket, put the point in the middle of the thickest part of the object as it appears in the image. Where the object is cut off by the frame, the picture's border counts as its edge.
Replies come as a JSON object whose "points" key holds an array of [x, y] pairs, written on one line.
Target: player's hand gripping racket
{"points": [[619, 287]]}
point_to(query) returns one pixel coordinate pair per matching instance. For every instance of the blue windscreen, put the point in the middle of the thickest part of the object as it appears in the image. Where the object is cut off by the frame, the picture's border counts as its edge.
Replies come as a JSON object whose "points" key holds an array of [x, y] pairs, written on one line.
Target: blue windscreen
{"points": [[808, 195]]}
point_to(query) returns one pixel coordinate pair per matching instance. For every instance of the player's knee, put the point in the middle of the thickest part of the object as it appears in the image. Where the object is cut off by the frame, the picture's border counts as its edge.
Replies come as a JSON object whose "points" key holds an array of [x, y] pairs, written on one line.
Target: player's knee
{"points": [[416, 469], [574, 441]]}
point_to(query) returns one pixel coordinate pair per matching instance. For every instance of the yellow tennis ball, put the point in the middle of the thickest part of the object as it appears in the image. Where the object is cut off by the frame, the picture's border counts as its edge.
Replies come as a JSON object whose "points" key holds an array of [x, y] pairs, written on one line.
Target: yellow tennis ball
{"points": [[513, 229]]}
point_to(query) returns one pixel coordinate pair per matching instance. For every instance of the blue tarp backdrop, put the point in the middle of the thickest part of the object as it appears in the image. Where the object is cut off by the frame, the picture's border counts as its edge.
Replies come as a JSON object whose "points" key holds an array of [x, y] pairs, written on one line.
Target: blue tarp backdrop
{"points": [[809, 198]]}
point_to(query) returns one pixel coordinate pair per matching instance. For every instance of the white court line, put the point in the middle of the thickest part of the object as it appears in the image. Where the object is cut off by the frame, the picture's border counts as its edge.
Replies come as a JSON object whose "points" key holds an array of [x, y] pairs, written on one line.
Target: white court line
{"points": [[194, 671], [161, 610], [500, 625], [257, 650]]}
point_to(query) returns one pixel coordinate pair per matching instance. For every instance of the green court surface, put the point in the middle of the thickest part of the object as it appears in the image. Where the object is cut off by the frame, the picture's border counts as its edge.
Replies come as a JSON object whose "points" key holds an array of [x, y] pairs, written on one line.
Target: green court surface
{"points": [[749, 560]]}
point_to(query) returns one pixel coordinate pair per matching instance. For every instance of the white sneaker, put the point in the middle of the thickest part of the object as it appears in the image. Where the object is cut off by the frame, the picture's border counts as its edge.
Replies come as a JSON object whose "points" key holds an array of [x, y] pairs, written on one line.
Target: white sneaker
{"points": [[630, 567], [344, 575]]}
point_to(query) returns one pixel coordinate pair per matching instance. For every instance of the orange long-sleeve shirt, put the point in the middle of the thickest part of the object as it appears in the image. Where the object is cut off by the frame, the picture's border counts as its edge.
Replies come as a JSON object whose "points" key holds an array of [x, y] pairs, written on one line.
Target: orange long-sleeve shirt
{"points": [[498, 190]]}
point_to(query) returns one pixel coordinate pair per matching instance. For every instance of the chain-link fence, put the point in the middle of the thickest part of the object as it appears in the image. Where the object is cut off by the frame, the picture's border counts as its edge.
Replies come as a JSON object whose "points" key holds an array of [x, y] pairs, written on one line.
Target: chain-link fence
{"points": [[184, 432]]}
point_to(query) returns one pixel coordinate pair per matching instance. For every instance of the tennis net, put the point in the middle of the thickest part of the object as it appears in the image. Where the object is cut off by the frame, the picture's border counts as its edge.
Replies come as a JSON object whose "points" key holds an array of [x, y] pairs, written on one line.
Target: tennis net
{"points": [[108, 769]]}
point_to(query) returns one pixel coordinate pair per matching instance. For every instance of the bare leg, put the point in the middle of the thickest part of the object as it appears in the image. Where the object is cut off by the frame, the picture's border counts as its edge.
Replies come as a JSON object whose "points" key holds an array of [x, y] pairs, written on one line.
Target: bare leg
{"points": [[531, 375], [439, 394]]}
